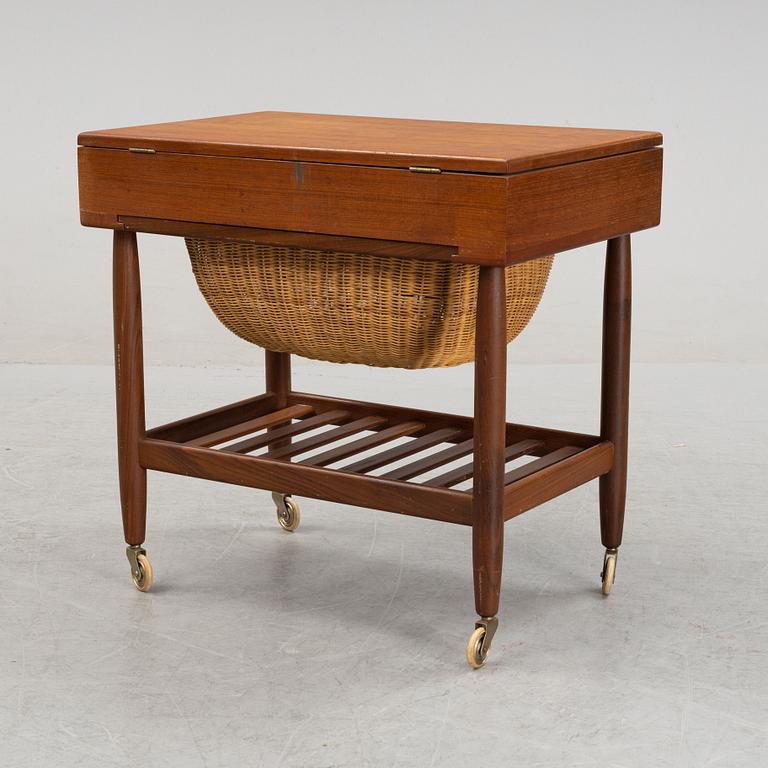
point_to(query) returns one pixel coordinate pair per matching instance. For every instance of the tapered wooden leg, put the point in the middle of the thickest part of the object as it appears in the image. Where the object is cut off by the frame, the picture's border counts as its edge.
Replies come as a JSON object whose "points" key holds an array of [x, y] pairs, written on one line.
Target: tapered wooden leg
{"points": [[489, 434], [614, 405], [129, 383]]}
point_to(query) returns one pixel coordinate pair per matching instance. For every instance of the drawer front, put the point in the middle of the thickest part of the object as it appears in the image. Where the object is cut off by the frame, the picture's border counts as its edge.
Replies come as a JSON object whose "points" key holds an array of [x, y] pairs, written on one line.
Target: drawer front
{"points": [[467, 211]]}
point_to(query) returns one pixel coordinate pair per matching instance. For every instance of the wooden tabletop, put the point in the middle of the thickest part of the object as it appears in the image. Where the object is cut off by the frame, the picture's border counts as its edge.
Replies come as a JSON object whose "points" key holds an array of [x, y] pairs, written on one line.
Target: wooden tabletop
{"points": [[376, 141]]}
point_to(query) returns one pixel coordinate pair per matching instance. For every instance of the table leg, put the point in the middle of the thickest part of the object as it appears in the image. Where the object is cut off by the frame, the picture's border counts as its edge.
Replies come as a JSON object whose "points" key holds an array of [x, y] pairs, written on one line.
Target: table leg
{"points": [[489, 437], [129, 386], [278, 375], [614, 398]]}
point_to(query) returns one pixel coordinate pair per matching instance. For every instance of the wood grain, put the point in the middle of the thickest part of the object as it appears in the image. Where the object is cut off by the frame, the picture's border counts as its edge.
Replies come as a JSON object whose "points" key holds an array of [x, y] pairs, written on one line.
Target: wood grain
{"points": [[277, 375], [376, 141], [556, 479], [517, 474], [551, 439], [318, 242], [450, 209], [614, 396], [129, 385], [275, 418], [489, 436], [431, 461], [330, 436], [204, 423], [363, 444], [313, 482], [459, 217], [274, 438], [403, 450], [562, 208], [465, 471]]}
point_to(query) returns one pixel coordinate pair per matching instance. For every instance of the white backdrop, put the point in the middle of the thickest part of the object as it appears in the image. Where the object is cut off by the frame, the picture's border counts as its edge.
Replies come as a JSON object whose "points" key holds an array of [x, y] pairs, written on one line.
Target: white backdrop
{"points": [[693, 70]]}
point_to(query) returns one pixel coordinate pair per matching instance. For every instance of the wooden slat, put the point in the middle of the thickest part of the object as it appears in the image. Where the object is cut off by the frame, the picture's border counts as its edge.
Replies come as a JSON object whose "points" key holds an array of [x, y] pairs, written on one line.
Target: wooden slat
{"points": [[252, 425], [465, 471], [314, 482], [320, 420], [430, 462], [404, 450], [218, 418], [369, 422], [547, 483], [363, 444], [538, 464]]}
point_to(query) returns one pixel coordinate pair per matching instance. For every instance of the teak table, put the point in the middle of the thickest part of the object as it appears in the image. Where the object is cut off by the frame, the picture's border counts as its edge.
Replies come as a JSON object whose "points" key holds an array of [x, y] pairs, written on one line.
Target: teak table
{"points": [[491, 195]]}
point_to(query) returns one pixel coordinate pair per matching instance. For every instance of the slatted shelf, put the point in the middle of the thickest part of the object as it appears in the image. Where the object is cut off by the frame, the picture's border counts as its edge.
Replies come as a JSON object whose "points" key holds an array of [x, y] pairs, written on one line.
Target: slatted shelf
{"points": [[253, 425], [537, 464], [291, 430], [418, 477], [363, 444], [434, 460], [465, 471], [403, 450], [324, 438]]}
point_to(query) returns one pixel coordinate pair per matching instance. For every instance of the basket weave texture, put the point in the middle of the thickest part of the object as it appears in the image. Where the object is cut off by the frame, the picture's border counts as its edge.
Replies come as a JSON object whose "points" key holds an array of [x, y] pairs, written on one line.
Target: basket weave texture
{"points": [[355, 308]]}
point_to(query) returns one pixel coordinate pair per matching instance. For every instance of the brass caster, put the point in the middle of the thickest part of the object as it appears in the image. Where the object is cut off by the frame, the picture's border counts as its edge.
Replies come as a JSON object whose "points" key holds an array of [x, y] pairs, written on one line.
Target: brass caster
{"points": [[480, 641], [141, 568], [608, 574], [288, 512]]}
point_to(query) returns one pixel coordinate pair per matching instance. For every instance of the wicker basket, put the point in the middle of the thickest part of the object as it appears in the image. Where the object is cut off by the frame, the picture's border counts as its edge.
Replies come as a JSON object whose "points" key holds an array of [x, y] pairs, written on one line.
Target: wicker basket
{"points": [[352, 307]]}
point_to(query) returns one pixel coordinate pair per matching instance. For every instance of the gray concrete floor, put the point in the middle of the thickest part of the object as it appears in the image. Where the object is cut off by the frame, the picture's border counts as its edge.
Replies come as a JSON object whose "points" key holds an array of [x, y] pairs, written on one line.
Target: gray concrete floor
{"points": [[342, 644]]}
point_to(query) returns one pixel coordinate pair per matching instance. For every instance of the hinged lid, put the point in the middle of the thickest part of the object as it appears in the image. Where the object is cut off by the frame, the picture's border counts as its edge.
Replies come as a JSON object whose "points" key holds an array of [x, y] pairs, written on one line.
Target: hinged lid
{"points": [[385, 142]]}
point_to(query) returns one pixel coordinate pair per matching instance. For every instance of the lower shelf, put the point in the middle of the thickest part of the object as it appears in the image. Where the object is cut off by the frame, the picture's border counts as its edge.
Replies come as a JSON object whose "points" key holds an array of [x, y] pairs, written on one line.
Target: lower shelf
{"points": [[372, 455]]}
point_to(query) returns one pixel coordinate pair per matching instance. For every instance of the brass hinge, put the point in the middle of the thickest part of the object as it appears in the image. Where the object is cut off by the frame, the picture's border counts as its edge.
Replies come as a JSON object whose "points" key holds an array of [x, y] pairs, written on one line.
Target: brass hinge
{"points": [[423, 169], [142, 150]]}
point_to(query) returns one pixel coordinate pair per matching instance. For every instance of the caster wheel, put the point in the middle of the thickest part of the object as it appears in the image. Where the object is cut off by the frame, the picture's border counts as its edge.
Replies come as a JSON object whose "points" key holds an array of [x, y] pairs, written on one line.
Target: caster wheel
{"points": [[476, 651], [609, 571], [141, 568], [480, 642], [288, 512]]}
